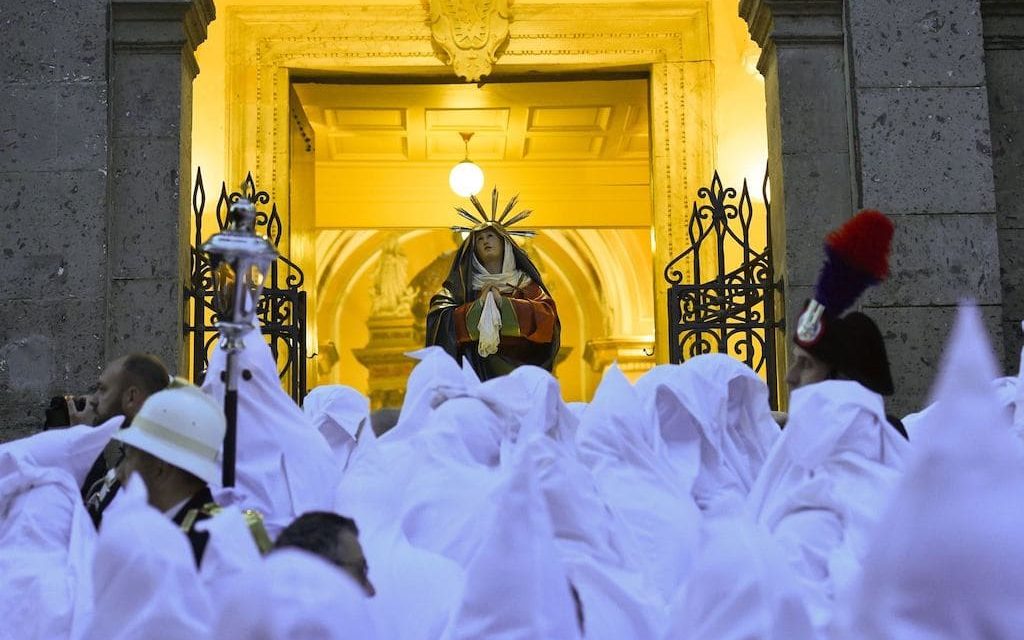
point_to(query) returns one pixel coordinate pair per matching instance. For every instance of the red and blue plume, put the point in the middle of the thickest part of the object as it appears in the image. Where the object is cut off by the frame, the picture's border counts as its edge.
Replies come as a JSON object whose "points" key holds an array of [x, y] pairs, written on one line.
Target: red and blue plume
{"points": [[856, 257]]}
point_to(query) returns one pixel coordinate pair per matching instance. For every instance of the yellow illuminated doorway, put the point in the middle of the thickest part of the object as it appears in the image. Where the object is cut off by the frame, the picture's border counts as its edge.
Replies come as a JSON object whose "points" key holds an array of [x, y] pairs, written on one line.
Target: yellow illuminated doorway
{"points": [[706, 108], [377, 159]]}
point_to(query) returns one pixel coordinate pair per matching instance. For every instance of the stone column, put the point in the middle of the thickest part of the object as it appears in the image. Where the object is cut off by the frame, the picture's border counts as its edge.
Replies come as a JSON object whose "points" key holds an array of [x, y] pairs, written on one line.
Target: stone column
{"points": [[53, 167], [809, 148], [152, 70], [925, 158], [882, 104], [1003, 26]]}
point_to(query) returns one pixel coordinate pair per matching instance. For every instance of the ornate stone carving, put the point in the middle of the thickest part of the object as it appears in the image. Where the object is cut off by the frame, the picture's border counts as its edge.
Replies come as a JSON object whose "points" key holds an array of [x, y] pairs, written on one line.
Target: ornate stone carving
{"points": [[391, 296], [469, 35]]}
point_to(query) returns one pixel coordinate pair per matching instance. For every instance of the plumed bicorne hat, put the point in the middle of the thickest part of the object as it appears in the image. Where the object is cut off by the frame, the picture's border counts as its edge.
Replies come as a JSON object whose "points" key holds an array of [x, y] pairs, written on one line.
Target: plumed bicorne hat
{"points": [[856, 257]]}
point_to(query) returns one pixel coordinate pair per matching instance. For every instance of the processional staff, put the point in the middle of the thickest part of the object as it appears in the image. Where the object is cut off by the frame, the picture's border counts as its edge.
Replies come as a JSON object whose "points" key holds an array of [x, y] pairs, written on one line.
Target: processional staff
{"points": [[241, 261]]}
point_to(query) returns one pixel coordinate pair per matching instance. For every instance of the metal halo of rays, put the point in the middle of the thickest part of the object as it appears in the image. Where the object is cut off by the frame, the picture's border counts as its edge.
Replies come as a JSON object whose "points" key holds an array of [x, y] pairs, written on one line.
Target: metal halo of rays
{"points": [[482, 219]]}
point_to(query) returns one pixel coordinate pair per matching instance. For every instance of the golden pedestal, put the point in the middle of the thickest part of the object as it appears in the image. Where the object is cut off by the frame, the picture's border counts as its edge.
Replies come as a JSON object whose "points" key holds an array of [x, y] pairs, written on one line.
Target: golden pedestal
{"points": [[384, 357]]}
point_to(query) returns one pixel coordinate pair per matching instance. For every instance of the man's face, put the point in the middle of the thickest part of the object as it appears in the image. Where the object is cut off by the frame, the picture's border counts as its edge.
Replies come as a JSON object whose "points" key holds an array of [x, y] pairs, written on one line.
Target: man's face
{"points": [[488, 246], [354, 562], [106, 401], [805, 369]]}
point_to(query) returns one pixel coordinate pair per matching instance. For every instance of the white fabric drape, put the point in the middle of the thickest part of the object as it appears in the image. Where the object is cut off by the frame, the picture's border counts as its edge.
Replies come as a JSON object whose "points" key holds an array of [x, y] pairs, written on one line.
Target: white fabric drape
{"points": [[741, 589], [722, 404], [74, 449], [516, 587], [646, 489], [294, 594], [146, 584], [341, 415], [489, 325], [46, 547], [825, 482], [947, 559], [284, 467]]}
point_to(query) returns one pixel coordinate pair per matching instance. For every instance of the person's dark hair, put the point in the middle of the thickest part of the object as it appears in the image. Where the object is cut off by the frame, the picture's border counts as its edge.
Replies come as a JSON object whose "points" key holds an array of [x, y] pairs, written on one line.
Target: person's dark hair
{"points": [[382, 420], [317, 532], [144, 371]]}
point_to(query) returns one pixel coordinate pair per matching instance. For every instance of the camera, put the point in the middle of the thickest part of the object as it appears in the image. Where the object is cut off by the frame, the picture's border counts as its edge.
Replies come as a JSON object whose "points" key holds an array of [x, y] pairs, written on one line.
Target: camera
{"points": [[57, 413]]}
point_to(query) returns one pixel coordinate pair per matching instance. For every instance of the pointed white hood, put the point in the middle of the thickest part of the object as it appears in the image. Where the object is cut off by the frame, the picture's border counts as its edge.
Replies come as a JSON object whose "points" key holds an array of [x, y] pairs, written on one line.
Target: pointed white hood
{"points": [[947, 559], [618, 602], [436, 378], [284, 467], [516, 587], [146, 585], [619, 441], [724, 403], [341, 415], [824, 485], [46, 545]]}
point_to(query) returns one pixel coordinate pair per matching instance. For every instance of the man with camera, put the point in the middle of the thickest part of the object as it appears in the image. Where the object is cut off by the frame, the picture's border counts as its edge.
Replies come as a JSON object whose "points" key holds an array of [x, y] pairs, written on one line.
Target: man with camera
{"points": [[122, 387]]}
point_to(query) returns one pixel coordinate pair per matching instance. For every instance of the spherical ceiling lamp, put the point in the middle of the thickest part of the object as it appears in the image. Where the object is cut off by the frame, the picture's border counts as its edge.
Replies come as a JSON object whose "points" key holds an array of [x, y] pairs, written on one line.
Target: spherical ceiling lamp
{"points": [[466, 178]]}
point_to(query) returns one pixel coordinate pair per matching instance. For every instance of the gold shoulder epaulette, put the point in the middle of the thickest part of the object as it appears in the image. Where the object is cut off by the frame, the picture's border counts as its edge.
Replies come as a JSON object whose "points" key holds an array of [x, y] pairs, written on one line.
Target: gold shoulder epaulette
{"points": [[253, 518]]}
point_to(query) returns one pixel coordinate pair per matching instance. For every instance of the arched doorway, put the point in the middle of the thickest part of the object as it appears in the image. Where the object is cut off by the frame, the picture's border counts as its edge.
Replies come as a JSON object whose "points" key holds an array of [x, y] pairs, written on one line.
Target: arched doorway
{"points": [[704, 109]]}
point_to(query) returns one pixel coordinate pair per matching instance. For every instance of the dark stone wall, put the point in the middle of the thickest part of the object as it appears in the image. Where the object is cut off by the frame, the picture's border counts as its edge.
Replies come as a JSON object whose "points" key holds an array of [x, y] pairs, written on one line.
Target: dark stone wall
{"points": [[95, 124], [883, 104], [925, 158], [53, 203]]}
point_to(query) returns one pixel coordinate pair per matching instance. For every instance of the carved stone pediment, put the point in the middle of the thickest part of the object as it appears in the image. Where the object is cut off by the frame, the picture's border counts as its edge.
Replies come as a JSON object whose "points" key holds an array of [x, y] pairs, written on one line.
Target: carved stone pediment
{"points": [[469, 35]]}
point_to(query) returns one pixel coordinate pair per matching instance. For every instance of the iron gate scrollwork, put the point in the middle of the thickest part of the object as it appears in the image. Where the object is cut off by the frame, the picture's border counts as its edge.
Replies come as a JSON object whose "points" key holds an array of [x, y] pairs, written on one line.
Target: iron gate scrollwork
{"points": [[721, 295], [282, 306]]}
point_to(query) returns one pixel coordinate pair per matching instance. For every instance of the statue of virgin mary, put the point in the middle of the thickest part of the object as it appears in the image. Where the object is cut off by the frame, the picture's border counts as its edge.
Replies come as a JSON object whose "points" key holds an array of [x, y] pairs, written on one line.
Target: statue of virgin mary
{"points": [[493, 310]]}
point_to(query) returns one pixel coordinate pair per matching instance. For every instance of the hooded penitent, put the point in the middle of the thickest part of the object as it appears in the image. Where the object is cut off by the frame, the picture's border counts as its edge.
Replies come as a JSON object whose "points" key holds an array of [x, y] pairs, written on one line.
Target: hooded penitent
{"points": [[341, 415], [516, 586], [373, 488], [824, 484], [284, 467], [947, 559], [524, 314], [294, 594], [146, 585], [618, 602], [46, 537], [721, 403], [46, 547], [856, 257], [644, 484]]}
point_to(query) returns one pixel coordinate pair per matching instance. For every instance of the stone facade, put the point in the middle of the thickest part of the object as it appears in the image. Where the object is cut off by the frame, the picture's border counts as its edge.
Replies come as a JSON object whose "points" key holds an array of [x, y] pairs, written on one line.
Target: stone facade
{"points": [[90, 191], [884, 104], [909, 106]]}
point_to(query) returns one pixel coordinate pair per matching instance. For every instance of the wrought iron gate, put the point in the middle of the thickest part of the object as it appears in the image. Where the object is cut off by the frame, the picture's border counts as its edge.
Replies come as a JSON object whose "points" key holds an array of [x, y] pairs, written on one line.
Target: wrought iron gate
{"points": [[721, 295], [281, 309]]}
